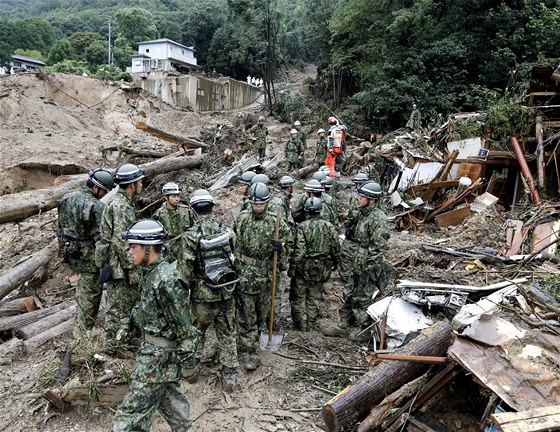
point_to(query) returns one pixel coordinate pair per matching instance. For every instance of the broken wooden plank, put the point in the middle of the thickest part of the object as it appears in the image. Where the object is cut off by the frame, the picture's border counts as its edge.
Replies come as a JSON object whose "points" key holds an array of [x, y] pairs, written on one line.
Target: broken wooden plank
{"points": [[454, 200], [453, 217], [166, 136], [435, 185], [534, 420], [58, 403], [246, 163], [105, 394], [544, 234]]}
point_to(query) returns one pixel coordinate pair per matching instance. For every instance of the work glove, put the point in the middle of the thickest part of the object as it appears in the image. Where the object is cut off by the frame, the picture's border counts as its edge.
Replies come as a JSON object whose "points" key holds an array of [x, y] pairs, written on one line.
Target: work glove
{"points": [[277, 245]]}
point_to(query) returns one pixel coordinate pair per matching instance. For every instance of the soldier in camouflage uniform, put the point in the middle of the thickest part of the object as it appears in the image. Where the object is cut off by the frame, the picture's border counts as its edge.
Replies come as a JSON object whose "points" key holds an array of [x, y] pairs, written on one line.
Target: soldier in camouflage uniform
{"points": [[282, 199], [321, 150], [371, 235], [206, 260], [255, 230], [79, 218], [174, 217], [259, 132], [244, 181], [415, 120], [314, 188], [301, 138], [315, 254], [170, 339], [293, 152], [112, 252]]}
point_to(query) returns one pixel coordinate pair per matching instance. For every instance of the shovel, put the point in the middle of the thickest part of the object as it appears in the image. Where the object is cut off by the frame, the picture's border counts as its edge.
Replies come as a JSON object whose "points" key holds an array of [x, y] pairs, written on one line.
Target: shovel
{"points": [[273, 342]]}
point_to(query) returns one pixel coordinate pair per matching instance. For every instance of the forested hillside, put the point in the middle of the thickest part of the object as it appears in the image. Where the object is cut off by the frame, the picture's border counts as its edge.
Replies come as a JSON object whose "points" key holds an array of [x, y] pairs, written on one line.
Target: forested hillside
{"points": [[445, 55]]}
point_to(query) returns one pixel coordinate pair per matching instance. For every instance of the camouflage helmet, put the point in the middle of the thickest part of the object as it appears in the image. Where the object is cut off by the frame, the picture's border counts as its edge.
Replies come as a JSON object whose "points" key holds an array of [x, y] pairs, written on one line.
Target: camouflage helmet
{"points": [[325, 169], [313, 186], [146, 232], [102, 179], [319, 176], [201, 196], [246, 177], [287, 181], [128, 173], [259, 193], [313, 205], [171, 189], [370, 190], [360, 178], [328, 183], [261, 178]]}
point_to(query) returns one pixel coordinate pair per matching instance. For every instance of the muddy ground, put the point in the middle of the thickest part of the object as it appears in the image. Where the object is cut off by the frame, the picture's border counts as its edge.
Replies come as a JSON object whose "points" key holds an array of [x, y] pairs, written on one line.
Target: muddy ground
{"points": [[57, 124]]}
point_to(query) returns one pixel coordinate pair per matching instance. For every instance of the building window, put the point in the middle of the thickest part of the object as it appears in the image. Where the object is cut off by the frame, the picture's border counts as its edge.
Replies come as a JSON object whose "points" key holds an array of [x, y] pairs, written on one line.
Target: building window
{"points": [[137, 63], [147, 50], [200, 92], [17, 64]]}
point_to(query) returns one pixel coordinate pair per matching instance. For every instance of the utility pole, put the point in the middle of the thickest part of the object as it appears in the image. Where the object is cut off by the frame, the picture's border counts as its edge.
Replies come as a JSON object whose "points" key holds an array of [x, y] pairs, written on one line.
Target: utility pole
{"points": [[109, 55]]}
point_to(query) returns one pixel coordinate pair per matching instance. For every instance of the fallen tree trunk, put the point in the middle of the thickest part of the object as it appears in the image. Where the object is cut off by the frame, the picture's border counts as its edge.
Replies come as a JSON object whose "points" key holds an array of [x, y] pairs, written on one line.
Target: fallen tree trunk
{"points": [[18, 306], [47, 322], [305, 171], [41, 338], [352, 404], [16, 207], [16, 276], [16, 322]]}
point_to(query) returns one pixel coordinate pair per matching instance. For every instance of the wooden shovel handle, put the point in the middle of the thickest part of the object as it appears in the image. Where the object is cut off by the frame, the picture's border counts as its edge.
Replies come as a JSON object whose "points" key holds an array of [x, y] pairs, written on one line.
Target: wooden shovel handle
{"points": [[274, 267]]}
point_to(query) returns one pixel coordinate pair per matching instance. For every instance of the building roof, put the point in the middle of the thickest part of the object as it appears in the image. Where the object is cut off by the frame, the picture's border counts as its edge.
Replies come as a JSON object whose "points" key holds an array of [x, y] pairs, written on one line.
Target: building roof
{"points": [[141, 55], [166, 40], [28, 59]]}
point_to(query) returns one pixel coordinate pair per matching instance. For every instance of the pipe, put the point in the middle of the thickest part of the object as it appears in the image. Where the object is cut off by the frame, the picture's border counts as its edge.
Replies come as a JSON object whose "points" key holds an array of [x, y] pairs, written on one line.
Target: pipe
{"points": [[535, 197], [540, 151]]}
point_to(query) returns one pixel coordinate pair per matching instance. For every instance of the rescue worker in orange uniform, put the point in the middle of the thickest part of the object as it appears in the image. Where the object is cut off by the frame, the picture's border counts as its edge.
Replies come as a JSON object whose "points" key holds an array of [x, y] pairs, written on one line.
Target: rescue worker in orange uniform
{"points": [[335, 144]]}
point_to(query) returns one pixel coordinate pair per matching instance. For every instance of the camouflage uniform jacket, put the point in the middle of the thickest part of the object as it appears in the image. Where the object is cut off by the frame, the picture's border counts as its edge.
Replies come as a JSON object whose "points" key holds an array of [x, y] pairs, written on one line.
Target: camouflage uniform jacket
{"points": [[330, 202], [372, 236], [292, 150], [189, 264], [254, 248], [281, 201], [118, 216], [315, 239], [321, 151], [327, 212], [163, 309], [246, 204], [175, 221], [260, 132], [82, 214]]}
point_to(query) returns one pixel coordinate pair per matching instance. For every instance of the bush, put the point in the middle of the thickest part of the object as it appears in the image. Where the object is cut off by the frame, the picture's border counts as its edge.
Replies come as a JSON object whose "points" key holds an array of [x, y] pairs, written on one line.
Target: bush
{"points": [[113, 73], [69, 66]]}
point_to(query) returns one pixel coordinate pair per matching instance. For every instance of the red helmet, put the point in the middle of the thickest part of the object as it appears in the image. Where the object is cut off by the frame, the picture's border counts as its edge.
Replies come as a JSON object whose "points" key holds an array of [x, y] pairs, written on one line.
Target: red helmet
{"points": [[332, 120]]}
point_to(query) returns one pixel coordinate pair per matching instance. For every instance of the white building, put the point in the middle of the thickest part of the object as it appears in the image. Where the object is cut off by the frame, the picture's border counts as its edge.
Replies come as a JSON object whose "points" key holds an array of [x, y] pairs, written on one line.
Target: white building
{"points": [[163, 55]]}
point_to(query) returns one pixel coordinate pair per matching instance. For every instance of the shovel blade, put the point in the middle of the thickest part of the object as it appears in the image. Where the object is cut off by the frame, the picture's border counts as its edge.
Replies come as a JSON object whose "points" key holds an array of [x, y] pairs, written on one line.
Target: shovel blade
{"points": [[273, 344]]}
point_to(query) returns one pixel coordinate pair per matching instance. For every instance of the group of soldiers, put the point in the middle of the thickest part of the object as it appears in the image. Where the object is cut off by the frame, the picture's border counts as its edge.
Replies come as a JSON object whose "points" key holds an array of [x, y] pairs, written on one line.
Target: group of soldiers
{"points": [[171, 277]]}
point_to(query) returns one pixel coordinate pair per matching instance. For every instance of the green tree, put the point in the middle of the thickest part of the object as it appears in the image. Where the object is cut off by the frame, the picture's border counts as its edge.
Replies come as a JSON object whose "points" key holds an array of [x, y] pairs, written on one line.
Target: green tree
{"points": [[135, 24], [96, 54], [31, 53], [60, 51], [81, 40]]}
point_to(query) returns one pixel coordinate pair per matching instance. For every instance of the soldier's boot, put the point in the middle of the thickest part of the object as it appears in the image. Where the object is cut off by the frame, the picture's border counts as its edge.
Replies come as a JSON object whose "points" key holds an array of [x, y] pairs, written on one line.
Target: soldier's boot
{"points": [[229, 379], [300, 325], [194, 372], [251, 362], [340, 330]]}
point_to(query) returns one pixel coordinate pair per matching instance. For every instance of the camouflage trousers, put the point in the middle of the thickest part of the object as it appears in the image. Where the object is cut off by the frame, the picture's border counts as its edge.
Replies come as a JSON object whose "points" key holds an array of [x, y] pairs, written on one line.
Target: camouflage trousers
{"points": [[154, 385], [306, 299], [346, 260], [291, 166], [222, 315], [252, 311], [88, 298], [357, 298], [121, 298], [260, 150]]}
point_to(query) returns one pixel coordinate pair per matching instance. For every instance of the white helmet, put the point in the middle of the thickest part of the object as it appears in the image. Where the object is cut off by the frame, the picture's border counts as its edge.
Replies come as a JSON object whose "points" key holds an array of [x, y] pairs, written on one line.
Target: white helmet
{"points": [[261, 118], [320, 131], [297, 123], [293, 131], [171, 189]]}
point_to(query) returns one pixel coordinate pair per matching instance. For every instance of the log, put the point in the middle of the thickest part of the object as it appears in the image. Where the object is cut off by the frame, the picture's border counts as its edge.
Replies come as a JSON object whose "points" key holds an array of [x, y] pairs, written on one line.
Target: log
{"points": [[18, 275], [166, 136], [305, 171], [352, 404], [36, 341], [19, 306], [17, 207], [16, 322], [106, 394], [33, 329]]}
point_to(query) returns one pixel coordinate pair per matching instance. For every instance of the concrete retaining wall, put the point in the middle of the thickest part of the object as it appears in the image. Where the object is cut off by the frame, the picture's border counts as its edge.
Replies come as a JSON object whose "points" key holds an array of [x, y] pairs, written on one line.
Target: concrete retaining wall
{"points": [[198, 93]]}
